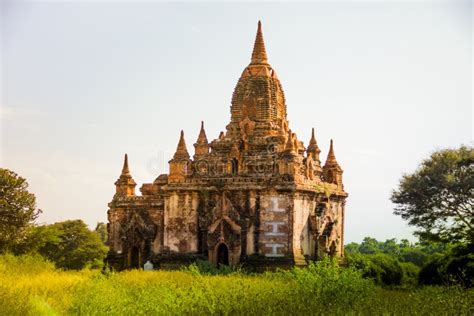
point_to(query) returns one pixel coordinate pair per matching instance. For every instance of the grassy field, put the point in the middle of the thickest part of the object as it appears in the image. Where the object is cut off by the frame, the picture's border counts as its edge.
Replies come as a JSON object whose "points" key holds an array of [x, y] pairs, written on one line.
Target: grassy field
{"points": [[30, 286]]}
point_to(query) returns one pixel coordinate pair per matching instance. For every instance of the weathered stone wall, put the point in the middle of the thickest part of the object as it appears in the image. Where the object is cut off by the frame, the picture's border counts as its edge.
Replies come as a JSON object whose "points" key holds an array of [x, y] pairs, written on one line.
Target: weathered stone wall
{"points": [[303, 243], [181, 222]]}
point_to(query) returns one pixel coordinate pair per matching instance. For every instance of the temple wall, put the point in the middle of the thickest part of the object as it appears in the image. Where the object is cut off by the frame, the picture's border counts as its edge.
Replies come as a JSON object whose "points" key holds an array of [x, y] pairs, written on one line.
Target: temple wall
{"points": [[302, 239], [337, 212], [157, 217], [181, 222], [115, 217], [275, 209]]}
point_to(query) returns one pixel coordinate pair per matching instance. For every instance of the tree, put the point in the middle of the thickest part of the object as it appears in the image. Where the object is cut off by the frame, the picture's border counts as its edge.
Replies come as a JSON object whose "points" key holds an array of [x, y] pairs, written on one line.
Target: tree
{"points": [[438, 198], [70, 245], [101, 230], [369, 246], [17, 209]]}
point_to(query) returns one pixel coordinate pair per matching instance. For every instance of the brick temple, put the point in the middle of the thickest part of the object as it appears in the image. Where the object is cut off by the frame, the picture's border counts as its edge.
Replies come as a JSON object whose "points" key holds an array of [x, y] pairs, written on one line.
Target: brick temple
{"points": [[254, 196]]}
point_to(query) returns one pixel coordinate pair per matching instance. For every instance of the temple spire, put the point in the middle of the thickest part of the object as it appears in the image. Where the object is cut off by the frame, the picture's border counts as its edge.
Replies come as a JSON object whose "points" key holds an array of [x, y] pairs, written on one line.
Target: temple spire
{"points": [[313, 148], [201, 147], [331, 159], [202, 138], [259, 55], [181, 150], [125, 185], [125, 169], [312, 141]]}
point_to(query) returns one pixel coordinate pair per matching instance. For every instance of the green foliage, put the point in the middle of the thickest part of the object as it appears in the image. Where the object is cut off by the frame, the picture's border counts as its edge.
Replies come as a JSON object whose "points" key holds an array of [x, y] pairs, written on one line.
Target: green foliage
{"points": [[454, 267], [380, 267], [31, 286], [69, 244], [410, 273], [101, 230], [440, 263], [438, 199], [204, 267], [17, 209]]}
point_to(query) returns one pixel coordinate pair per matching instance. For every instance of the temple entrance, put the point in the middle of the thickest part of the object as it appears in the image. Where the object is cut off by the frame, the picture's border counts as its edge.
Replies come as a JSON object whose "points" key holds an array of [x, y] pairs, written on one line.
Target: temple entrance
{"points": [[222, 255], [135, 258]]}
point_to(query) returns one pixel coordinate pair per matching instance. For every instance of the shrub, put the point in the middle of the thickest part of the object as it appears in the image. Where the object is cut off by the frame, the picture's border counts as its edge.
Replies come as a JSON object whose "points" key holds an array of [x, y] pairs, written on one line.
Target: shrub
{"points": [[410, 273], [382, 268], [455, 267]]}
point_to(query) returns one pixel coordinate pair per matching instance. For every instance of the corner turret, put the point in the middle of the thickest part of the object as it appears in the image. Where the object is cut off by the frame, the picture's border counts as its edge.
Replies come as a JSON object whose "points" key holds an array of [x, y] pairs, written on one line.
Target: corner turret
{"points": [[201, 147], [332, 172], [125, 185], [180, 164]]}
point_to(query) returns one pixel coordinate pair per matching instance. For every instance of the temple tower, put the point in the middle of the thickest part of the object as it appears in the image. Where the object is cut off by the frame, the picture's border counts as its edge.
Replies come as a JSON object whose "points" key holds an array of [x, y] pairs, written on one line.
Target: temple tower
{"points": [[125, 185]]}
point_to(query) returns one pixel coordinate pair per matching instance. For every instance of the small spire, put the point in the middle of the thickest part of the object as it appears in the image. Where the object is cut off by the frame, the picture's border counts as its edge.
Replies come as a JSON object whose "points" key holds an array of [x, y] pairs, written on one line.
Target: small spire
{"points": [[312, 141], [259, 55], [181, 150], [331, 159], [202, 138], [313, 148], [125, 169]]}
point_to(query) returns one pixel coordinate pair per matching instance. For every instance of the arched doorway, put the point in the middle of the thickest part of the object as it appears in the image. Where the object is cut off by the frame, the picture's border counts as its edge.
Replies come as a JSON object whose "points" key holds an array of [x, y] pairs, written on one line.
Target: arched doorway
{"points": [[135, 258], [222, 255]]}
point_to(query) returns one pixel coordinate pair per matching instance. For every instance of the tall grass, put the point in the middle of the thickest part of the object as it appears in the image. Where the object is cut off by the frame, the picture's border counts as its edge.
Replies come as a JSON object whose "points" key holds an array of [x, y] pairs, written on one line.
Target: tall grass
{"points": [[31, 286]]}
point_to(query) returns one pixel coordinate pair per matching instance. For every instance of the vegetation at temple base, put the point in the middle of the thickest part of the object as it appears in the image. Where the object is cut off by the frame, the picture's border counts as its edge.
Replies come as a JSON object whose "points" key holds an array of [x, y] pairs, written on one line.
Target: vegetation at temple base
{"points": [[30, 285]]}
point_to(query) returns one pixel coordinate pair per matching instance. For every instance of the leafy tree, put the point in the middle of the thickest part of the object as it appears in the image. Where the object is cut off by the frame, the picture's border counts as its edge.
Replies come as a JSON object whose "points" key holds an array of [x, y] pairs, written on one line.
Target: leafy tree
{"points": [[391, 247], [413, 255], [369, 246], [351, 248], [101, 229], [438, 198], [17, 209], [70, 245]]}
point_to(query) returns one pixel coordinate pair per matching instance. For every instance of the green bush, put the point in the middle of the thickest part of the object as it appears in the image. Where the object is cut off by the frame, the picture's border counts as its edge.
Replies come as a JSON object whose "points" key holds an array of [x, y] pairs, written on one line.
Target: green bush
{"points": [[410, 273], [455, 267], [380, 267]]}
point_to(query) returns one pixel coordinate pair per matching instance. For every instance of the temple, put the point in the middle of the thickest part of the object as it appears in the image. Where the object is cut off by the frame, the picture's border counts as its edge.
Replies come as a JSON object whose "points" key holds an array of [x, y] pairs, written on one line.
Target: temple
{"points": [[255, 196]]}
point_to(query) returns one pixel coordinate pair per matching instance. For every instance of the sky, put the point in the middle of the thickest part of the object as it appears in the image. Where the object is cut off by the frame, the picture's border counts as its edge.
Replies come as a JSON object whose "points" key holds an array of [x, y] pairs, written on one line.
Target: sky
{"points": [[82, 83]]}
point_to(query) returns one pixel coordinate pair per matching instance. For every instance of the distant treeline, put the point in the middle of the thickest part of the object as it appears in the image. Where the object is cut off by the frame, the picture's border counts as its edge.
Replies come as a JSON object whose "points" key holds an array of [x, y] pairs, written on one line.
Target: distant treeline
{"points": [[393, 263]]}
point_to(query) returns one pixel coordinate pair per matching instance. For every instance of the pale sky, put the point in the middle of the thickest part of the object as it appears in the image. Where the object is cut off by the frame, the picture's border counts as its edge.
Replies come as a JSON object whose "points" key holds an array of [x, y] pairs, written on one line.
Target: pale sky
{"points": [[85, 82]]}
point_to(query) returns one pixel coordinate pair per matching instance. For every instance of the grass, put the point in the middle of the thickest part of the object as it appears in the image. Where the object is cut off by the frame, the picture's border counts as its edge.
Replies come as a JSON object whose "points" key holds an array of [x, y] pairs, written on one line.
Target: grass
{"points": [[31, 286]]}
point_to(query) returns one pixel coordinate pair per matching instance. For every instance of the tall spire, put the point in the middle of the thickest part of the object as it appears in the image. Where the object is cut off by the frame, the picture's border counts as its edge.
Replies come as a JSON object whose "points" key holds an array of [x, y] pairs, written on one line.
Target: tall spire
{"points": [[202, 138], [125, 185], [331, 159], [201, 147], [259, 55], [181, 150], [313, 139], [125, 169], [313, 147]]}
